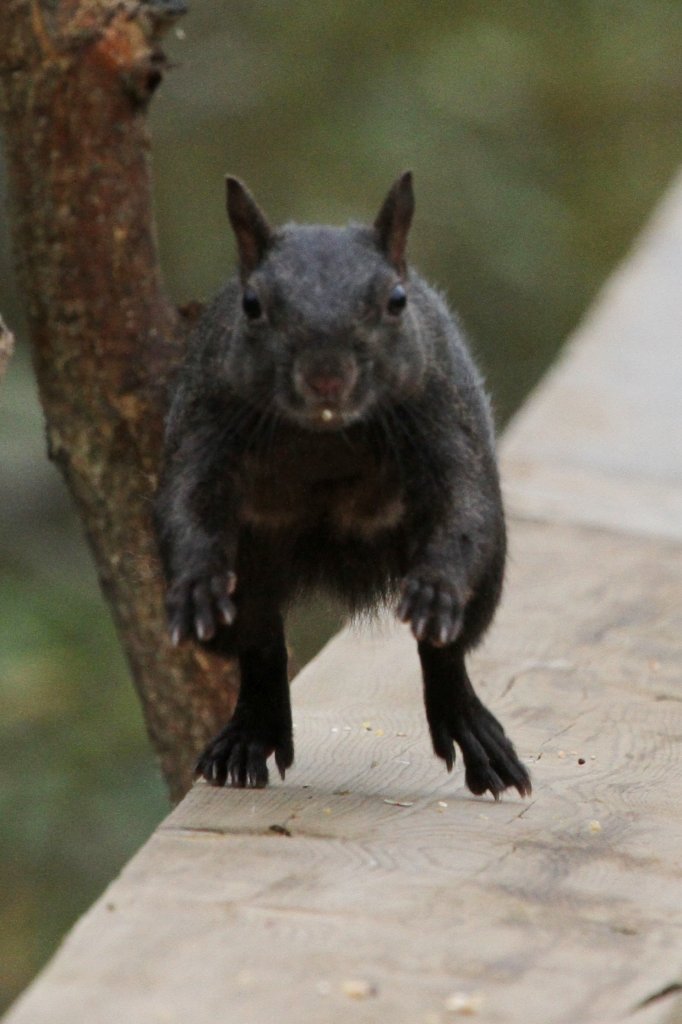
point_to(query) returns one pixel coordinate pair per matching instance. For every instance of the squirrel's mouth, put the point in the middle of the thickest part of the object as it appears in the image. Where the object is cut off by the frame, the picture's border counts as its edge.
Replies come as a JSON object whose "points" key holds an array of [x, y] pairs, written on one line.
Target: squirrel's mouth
{"points": [[327, 417], [324, 415], [323, 394]]}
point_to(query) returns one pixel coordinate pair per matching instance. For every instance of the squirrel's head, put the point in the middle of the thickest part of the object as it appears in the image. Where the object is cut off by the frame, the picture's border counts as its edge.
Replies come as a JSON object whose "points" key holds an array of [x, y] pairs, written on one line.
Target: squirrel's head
{"points": [[324, 330]]}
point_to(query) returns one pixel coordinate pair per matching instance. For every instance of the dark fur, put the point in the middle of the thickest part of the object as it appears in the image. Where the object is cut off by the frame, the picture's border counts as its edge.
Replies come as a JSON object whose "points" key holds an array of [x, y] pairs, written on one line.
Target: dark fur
{"points": [[337, 442]]}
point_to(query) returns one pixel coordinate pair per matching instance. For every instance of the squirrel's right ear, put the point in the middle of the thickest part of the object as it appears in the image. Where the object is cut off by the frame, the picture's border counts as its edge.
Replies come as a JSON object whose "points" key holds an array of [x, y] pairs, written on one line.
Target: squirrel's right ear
{"points": [[394, 219], [251, 229]]}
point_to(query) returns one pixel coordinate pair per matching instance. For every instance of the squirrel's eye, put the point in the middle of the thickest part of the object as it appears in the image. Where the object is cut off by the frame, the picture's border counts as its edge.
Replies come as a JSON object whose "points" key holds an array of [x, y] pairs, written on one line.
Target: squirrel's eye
{"points": [[397, 300], [251, 304]]}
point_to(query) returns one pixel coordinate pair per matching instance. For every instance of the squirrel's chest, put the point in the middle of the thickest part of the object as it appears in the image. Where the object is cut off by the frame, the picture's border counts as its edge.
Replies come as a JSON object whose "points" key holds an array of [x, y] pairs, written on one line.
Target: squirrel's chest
{"points": [[348, 492]]}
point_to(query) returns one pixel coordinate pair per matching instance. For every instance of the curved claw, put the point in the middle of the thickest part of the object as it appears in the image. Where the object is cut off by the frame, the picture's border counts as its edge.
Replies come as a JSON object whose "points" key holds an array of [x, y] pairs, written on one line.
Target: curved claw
{"points": [[284, 758], [443, 746]]}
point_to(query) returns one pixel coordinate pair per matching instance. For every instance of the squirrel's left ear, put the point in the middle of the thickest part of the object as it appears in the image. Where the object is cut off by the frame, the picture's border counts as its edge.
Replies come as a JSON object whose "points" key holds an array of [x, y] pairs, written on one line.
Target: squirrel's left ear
{"points": [[251, 229], [394, 219]]}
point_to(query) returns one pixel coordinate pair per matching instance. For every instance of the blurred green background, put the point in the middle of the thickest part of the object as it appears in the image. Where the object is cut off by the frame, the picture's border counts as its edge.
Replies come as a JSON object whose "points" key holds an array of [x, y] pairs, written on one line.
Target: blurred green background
{"points": [[540, 134]]}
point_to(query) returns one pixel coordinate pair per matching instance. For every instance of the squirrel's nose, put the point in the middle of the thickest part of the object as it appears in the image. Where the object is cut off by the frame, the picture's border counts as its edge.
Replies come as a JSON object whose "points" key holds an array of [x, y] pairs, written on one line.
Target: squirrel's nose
{"points": [[327, 386]]}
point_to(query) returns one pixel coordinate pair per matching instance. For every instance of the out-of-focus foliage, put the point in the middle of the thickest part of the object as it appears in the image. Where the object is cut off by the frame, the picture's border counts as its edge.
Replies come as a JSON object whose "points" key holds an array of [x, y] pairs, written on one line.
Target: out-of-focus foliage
{"points": [[540, 134]]}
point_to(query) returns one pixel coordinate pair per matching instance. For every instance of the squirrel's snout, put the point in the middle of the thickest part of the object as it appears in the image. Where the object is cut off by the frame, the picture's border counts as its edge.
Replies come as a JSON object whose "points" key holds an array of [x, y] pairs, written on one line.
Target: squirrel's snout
{"points": [[328, 383], [329, 387]]}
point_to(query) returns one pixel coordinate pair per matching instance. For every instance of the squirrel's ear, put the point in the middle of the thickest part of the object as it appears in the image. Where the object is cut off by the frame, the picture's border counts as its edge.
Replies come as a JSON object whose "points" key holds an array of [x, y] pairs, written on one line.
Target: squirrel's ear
{"points": [[394, 219], [251, 229]]}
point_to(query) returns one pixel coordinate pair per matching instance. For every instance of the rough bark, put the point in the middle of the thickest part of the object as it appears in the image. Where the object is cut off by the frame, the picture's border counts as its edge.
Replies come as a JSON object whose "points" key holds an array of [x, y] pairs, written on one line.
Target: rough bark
{"points": [[75, 80]]}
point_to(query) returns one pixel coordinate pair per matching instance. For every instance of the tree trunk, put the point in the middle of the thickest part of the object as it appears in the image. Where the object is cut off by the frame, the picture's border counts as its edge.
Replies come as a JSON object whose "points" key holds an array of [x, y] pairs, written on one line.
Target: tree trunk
{"points": [[75, 80]]}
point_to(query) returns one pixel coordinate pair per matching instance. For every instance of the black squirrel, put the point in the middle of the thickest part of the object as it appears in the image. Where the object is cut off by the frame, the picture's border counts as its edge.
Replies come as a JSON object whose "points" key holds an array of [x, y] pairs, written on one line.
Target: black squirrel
{"points": [[329, 429]]}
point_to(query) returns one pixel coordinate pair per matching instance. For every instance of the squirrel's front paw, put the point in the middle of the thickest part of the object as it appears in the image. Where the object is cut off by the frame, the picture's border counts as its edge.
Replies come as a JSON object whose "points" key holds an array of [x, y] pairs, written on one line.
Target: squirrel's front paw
{"points": [[433, 609], [199, 604]]}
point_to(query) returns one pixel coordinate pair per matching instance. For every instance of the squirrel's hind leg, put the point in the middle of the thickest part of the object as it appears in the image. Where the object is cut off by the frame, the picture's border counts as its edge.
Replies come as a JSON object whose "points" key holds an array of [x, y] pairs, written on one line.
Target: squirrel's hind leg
{"points": [[261, 723], [455, 713]]}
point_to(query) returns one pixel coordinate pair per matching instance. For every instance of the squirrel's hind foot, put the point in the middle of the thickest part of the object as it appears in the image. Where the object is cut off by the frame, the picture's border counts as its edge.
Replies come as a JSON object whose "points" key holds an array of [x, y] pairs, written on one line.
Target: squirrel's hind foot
{"points": [[490, 761], [238, 756]]}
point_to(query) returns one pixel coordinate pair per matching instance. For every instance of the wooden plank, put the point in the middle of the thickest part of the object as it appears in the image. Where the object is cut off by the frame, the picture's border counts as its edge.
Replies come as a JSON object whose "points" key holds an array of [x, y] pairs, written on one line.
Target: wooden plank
{"points": [[563, 908], [600, 441]]}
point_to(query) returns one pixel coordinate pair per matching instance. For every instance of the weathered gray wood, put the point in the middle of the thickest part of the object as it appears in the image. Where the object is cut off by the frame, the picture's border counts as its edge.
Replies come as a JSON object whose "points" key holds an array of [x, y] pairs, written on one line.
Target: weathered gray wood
{"points": [[370, 886], [600, 441]]}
